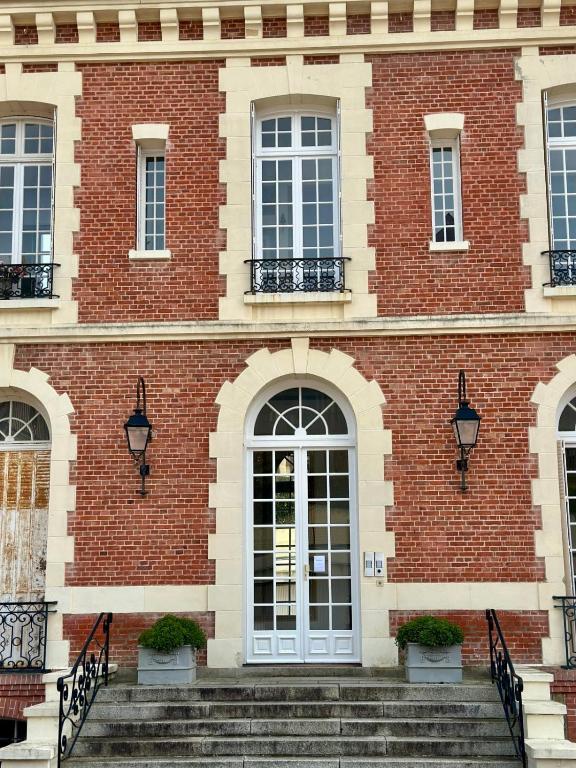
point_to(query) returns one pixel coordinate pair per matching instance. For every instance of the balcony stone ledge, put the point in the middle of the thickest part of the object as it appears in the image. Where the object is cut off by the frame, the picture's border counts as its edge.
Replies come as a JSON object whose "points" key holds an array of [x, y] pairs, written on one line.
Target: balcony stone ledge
{"points": [[297, 297]]}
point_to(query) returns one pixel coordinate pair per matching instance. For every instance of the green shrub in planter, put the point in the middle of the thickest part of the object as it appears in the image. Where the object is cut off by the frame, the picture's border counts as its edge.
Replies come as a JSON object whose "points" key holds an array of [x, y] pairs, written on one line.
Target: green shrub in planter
{"points": [[433, 652], [430, 631], [172, 632]]}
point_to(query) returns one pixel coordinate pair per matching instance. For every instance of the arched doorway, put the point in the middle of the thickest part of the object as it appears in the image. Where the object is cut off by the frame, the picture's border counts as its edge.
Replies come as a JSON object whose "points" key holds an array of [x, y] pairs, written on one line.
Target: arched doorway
{"points": [[24, 494], [302, 590], [567, 447]]}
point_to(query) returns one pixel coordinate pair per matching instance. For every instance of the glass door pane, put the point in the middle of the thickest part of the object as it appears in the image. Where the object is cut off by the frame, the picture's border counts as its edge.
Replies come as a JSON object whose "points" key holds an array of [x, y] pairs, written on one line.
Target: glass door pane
{"points": [[275, 541], [329, 590]]}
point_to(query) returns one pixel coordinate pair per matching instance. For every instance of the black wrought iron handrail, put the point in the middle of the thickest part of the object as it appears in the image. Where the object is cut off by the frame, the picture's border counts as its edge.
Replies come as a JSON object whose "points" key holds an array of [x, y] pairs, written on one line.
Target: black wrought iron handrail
{"points": [[293, 275], [27, 281], [567, 603], [79, 687], [562, 267], [509, 684], [23, 631]]}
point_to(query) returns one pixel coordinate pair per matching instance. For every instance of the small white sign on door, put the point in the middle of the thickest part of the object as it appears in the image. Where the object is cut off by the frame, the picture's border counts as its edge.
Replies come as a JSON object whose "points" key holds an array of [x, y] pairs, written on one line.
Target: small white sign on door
{"points": [[319, 564]]}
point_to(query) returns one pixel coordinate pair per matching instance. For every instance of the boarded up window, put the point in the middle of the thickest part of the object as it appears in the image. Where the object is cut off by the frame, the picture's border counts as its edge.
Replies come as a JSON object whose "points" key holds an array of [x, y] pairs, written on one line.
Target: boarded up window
{"points": [[24, 490]]}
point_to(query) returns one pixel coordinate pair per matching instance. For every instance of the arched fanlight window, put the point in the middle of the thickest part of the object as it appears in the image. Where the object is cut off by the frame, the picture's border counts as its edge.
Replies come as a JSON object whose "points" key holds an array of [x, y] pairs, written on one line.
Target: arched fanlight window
{"points": [[21, 423], [567, 421], [300, 412]]}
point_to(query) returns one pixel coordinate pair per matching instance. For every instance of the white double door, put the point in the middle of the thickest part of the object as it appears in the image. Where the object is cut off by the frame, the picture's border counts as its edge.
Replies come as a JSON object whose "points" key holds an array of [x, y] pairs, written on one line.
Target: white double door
{"points": [[302, 556]]}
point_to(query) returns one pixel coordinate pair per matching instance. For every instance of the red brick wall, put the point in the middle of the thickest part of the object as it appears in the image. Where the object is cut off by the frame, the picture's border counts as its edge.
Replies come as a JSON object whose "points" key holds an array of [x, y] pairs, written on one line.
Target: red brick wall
{"points": [[443, 21], [400, 22], [523, 632], [325, 59], [232, 29], [358, 24], [110, 288], [486, 18], [25, 35], [567, 16], [149, 31], [66, 33], [192, 29], [564, 689], [124, 632], [268, 61], [18, 691], [529, 17], [40, 67], [107, 32], [274, 26], [441, 534], [315, 26], [490, 276]]}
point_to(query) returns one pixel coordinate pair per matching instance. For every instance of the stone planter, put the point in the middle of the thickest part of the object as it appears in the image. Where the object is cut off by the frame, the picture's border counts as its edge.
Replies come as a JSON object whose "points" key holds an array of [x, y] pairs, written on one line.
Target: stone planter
{"points": [[425, 664], [156, 668]]}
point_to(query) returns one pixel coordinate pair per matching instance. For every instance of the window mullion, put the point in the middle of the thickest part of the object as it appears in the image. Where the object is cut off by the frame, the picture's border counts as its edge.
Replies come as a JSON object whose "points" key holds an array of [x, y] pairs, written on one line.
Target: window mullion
{"points": [[297, 213], [17, 216]]}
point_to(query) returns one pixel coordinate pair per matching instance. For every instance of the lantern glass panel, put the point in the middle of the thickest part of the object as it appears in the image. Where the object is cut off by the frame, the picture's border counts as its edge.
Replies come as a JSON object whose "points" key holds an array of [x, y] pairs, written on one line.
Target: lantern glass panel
{"points": [[137, 438], [468, 432]]}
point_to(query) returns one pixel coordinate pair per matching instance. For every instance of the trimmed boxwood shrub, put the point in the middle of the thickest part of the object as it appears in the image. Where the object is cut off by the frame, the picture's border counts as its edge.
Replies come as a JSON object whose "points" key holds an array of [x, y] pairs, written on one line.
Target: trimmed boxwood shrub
{"points": [[429, 630], [172, 632]]}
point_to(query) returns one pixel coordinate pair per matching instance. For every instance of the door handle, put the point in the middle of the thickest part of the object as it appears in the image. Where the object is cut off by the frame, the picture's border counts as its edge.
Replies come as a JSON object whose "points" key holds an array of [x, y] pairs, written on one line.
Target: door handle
{"points": [[306, 571]]}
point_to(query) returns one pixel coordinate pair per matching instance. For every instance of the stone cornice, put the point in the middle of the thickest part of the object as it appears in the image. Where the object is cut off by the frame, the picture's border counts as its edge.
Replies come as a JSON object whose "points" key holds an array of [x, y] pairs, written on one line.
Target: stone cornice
{"points": [[220, 49], [168, 14], [439, 325]]}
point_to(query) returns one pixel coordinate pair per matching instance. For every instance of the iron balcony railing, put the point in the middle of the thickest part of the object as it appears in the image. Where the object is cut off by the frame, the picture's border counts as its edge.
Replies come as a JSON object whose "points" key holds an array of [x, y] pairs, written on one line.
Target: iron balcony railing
{"points": [[562, 267], [23, 630], [79, 687], [297, 275], [567, 604], [509, 684], [27, 281]]}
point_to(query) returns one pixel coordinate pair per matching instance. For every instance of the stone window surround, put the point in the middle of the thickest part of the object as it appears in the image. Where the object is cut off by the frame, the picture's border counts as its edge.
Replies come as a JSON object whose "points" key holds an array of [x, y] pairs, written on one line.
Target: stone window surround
{"points": [[448, 126], [296, 85], [149, 138], [554, 75], [51, 95]]}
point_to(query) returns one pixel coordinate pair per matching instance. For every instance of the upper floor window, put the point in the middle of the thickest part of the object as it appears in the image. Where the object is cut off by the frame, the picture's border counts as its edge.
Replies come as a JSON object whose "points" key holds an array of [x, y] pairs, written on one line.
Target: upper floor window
{"points": [[26, 191], [445, 179], [151, 213], [296, 216], [561, 130]]}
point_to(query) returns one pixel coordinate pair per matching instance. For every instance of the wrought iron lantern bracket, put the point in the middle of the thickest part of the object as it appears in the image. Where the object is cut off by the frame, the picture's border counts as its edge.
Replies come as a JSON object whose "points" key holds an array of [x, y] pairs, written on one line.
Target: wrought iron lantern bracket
{"points": [[139, 434]]}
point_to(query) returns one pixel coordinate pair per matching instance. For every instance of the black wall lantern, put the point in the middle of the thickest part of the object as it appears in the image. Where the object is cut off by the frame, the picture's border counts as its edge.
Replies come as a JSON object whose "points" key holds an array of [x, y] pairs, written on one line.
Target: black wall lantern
{"points": [[466, 424], [139, 433]]}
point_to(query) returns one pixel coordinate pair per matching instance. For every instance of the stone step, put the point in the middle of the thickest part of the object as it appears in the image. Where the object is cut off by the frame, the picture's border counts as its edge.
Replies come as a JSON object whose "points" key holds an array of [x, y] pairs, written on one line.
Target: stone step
{"points": [[289, 710], [294, 762], [301, 747], [484, 728], [338, 691]]}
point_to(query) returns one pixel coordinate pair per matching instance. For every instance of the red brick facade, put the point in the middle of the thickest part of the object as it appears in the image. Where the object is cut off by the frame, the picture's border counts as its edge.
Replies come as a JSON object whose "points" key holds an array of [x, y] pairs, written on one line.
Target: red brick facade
{"points": [[485, 535], [18, 691], [408, 278], [110, 288]]}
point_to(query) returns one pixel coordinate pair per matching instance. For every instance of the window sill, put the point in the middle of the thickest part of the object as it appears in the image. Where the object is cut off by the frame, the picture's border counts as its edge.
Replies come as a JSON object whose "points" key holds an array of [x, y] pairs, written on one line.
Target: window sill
{"points": [[560, 291], [29, 303], [150, 255], [457, 245], [314, 297]]}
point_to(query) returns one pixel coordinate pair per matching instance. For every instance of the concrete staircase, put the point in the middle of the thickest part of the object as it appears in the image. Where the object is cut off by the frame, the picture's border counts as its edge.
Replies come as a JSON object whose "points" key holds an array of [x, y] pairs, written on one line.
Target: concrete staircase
{"points": [[296, 722]]}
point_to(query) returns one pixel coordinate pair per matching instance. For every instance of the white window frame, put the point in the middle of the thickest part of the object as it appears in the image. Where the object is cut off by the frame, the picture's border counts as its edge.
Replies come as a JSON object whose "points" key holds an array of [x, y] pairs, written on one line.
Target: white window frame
{"points": [[143, 155], [19, 160], [295, 153], [458, 243], [556, 143]]}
